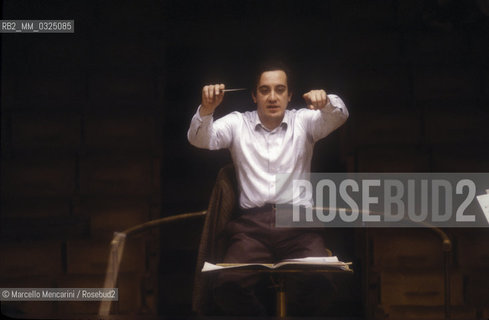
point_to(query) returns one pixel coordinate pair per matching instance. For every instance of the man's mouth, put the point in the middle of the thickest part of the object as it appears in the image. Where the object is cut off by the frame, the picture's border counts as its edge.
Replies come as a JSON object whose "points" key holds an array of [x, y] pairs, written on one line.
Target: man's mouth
{"points": [[273, 107]]}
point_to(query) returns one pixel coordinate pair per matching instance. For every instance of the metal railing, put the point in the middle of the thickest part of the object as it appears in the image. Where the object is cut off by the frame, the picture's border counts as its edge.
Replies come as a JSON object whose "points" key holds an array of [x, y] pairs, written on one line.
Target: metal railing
{"points": [[117, 250]]}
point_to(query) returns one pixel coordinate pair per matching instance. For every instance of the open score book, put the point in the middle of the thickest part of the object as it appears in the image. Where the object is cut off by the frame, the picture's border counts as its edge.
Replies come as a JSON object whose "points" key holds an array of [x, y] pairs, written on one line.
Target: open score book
{"points": [[309, 261]]}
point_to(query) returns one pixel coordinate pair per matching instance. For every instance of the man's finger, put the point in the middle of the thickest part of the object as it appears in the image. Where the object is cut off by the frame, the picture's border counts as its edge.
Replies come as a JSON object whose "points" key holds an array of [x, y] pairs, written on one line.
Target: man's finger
{"points": [[211, 93], [324, 96], [307, 98], [314, 100], [220, 89], [320, 99], [206, 93]]}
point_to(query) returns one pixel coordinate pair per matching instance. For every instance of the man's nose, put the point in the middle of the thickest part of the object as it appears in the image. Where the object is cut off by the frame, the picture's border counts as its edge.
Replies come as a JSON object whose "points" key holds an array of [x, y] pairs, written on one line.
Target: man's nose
{"points": [[273, 95]]}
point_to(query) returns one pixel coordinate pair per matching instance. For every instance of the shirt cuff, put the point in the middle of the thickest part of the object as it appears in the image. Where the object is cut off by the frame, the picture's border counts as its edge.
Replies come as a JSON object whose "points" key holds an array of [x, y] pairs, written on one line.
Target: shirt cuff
{"points": [[200, 118], [335, 104]]}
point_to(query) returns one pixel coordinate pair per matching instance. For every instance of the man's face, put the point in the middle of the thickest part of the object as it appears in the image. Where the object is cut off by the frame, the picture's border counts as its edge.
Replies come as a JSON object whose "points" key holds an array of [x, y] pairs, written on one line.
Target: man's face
{"points": [[272, 97]]}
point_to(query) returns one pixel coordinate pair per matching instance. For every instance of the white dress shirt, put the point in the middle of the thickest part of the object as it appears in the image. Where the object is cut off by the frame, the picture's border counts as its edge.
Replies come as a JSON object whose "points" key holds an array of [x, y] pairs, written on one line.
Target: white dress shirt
{"points": [[259, 154]]}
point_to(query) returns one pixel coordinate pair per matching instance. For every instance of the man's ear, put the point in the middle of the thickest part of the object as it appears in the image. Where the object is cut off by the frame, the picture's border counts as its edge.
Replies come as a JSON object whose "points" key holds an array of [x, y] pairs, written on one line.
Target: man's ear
{"points": [[290, 96], [253, 97]]}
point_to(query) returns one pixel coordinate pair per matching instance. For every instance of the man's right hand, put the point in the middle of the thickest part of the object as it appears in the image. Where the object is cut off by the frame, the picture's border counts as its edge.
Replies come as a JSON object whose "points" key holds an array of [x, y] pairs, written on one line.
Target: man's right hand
{"points": [[212, 96]]}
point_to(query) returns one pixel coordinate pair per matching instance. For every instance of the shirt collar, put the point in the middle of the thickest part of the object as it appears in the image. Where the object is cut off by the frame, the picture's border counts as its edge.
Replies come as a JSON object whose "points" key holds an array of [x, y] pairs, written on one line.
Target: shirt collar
{"points": [[284, 124]]}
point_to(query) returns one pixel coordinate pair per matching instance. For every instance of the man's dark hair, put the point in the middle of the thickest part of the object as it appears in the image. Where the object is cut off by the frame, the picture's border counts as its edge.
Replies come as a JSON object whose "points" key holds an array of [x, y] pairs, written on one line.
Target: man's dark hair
{"points": [[272, 65]]}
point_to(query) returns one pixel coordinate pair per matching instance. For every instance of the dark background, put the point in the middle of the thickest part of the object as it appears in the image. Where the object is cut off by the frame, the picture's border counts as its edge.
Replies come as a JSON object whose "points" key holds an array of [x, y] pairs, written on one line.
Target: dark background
{"points": [[93, 136]]}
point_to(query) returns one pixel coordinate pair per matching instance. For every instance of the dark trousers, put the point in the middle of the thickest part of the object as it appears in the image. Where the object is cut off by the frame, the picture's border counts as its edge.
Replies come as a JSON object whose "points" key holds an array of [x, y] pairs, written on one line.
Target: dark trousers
{"points": [[253, 237]]}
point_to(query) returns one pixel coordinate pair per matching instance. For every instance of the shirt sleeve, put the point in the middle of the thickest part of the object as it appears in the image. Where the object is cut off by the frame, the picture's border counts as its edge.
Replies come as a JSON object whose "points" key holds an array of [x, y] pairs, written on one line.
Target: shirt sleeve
{"points": [[206, 133], [320, 123]]}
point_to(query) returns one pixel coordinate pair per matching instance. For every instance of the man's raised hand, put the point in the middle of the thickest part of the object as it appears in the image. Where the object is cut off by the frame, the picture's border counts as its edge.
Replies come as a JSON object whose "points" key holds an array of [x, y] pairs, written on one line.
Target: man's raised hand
{"points": [[212, 96], [316, 99]]}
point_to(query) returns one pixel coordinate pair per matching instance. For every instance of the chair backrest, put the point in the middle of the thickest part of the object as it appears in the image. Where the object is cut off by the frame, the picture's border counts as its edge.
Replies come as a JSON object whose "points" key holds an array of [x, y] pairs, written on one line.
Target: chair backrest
{"points": [[222, 206]]}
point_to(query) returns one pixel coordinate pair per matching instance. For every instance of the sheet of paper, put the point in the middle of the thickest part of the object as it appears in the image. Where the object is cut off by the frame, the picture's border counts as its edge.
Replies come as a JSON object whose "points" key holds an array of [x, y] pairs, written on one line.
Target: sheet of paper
{"points": [[210, 267], [326, 261], [484, 203], [316, 259]]}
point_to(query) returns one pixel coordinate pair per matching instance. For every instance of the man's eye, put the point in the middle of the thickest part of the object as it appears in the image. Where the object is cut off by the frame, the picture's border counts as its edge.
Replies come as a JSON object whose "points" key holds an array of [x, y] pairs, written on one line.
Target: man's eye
{"points": [[264, 90], [280, 90]]}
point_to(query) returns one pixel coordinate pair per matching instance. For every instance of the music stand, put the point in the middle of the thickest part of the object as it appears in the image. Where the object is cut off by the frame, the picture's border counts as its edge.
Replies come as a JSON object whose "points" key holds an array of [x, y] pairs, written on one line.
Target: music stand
{"points": [[278, 277]]}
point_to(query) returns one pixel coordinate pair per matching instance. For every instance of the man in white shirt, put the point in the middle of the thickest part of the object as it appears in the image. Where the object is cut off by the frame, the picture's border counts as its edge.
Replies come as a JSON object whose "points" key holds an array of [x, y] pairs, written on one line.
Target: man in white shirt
{"points": [[263, 143]]}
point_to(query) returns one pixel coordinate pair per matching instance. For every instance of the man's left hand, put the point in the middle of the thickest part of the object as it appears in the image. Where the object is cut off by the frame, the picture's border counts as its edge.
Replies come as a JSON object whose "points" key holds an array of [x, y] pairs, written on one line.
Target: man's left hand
{"points": [[316, 99]]}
